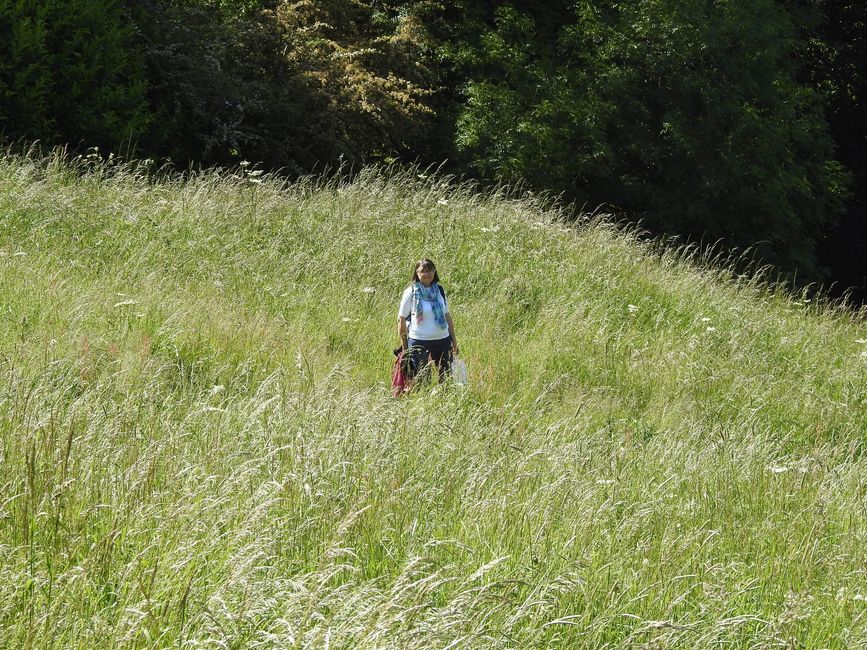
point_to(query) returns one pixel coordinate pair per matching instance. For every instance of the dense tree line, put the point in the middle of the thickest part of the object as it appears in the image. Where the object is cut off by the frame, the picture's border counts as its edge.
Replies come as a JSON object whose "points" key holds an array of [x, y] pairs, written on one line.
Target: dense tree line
{"points": [[740, 122]]}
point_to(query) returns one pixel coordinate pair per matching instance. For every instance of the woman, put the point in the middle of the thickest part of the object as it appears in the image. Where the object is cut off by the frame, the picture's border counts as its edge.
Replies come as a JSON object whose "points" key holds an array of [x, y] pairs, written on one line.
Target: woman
{"points": [[429, 331]]}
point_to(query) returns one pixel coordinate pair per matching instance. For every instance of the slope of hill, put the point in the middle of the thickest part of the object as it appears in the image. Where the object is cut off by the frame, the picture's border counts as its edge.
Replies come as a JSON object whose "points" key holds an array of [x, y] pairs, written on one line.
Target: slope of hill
{"points": [[199, 447]]}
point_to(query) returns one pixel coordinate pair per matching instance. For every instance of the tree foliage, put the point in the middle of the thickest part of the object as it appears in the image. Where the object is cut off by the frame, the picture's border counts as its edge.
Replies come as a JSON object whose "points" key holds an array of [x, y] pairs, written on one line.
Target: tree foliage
{"points": [[25, 79], [834, 64], [291, 84], [363, 63], [70, 74], [688, 115], [217, 85]]}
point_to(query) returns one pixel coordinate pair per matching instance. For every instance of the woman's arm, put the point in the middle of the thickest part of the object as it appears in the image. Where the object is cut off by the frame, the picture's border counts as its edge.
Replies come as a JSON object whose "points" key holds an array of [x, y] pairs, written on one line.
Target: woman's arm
{"points": [[452, 332], [401, 331]]}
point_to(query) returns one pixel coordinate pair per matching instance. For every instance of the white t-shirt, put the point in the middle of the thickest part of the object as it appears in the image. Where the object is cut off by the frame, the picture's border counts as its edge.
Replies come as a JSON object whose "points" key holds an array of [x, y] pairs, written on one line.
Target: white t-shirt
{"points": [[427, 329]]}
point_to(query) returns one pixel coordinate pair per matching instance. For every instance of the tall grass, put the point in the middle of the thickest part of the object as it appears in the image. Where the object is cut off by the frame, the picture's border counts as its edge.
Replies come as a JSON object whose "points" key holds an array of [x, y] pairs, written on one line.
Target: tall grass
{"points": [[199, 448]]}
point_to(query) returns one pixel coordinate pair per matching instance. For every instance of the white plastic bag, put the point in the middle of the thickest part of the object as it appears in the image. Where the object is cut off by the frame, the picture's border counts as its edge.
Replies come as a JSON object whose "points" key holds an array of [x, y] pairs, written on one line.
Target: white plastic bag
{"points": [[459, 372]]}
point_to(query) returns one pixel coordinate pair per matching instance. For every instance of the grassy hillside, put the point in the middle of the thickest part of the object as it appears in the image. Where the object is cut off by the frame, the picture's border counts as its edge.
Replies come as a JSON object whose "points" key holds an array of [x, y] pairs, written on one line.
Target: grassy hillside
{"points": [[199, 448]]}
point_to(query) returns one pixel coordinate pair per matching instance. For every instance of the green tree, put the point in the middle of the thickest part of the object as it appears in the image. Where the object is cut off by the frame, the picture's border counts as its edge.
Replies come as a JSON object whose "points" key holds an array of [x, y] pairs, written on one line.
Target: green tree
{"points": [[25, 77], [837, 35], [98, 93], [289, 84], [214, 78], [69, 73], [688, 116], [365, 63]]}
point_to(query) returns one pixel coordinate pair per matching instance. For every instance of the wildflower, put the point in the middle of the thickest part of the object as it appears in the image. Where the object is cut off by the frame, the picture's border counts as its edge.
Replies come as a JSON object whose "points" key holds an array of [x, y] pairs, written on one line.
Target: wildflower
{"points": [[442, 202], [244, 163], [256, 181], [19, 254], [711, 329], [705, 320], [777, 469], [218, 388], [605, 481], [124, 303], [860, 340], [632, 308], [370, 290]]}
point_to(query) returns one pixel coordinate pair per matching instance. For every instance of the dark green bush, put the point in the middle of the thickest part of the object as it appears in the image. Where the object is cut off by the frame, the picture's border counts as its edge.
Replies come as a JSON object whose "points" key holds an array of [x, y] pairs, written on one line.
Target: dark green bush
{"points": [[689, 116], [69, 74]]}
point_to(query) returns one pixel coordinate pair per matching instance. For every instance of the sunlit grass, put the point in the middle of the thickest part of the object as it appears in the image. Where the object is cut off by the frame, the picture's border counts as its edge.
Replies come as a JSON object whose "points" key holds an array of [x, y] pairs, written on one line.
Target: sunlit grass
{"points": [[198, 450]]}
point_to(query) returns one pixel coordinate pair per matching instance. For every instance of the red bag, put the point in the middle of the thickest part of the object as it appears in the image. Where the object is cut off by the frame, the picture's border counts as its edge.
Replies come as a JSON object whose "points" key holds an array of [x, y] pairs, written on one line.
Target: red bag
{"points": [[400, 379]]}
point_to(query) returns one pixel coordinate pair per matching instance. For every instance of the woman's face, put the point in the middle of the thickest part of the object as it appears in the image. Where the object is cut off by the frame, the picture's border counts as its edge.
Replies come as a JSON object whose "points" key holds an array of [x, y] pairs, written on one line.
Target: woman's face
{"points": [[425, 274]]}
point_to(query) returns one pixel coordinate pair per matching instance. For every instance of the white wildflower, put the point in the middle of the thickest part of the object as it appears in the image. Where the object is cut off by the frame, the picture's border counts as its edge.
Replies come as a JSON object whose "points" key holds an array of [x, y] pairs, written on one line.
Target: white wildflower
{"points": [[442, 202], [19, 254], [860, 340], [256, 181], [777, 469], [632, 308], [244, 163], [705, 320], [370, 290], [124, 303], [605, 481], [217, 389], [711, 329]]}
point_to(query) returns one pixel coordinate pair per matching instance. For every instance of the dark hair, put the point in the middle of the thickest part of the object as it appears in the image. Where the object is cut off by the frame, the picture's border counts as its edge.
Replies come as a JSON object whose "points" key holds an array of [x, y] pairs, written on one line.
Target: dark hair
{"points": [[426, 263]]}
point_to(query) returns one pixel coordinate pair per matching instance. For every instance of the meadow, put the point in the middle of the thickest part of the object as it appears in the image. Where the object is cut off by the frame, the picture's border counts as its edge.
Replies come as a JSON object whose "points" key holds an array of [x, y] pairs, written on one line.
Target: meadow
{"points": [[199, 448]]}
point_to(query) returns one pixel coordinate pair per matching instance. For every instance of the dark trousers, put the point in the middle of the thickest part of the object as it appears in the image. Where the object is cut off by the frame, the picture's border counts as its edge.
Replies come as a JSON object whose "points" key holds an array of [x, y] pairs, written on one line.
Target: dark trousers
{"points": [[439, 352]]}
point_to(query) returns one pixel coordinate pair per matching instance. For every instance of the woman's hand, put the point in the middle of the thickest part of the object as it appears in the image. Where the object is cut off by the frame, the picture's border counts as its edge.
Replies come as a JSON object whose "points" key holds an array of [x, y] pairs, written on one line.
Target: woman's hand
{"points": [[455, 350]]}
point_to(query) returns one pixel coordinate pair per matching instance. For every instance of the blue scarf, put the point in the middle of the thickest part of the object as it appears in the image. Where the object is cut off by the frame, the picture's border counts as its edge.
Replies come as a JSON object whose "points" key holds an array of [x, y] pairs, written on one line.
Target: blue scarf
{"points": [[429, 294]]}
